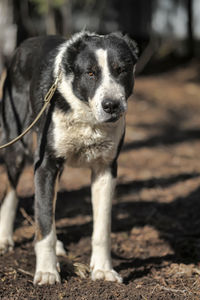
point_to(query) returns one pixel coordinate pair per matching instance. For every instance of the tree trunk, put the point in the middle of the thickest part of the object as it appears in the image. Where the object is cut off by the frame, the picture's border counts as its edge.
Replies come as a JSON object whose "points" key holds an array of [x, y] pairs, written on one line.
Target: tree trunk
{"points": [[8, 32], [190, 34], [50, 19]]}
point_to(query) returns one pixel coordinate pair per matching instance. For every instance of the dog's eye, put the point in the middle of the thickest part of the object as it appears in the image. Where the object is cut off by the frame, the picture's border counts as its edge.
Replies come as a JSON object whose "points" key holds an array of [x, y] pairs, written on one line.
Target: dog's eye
{"points": [[120, 70], [91, 74]]}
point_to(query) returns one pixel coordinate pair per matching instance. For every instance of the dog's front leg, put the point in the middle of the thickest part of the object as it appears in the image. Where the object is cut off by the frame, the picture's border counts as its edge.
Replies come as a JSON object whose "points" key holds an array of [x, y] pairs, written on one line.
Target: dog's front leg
{"points": [[103, 185], [45, 240]]}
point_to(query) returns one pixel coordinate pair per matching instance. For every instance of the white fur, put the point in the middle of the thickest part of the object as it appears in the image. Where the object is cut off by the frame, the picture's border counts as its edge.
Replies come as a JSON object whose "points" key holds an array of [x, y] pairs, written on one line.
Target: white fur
{"points": [[83, 143], [103, 186], [46, 260], [7, 216], [60, 251]]}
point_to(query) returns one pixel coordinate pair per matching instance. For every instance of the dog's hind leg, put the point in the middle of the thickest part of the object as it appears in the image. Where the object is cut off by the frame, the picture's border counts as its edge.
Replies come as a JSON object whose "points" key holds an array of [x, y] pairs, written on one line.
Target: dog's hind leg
{"points": [[14, 112], [14, 160]]}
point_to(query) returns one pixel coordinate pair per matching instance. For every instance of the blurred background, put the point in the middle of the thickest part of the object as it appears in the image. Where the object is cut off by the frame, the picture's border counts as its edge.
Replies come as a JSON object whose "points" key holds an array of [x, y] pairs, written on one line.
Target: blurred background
{"points": [[164, 29]]}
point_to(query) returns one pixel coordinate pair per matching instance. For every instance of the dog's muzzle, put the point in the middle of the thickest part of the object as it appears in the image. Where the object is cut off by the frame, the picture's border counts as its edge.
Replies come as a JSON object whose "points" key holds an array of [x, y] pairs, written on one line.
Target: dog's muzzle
{"points": [[113, 109]]}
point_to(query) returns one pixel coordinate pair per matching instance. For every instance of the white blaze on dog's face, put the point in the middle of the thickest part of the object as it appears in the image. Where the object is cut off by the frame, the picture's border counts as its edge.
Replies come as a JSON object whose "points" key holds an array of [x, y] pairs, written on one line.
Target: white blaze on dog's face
{"points": [[102, 72], [109, 101]]}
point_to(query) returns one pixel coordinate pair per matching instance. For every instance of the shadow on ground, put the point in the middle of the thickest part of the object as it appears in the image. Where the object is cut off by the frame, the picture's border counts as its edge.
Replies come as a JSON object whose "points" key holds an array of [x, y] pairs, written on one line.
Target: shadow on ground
{"points": [[178, 222]]}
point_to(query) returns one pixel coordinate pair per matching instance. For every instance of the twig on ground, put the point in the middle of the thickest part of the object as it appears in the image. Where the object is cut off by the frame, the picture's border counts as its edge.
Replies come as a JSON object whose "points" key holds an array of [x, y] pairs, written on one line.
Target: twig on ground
{"points": [[172, 290], [26, 216], [189, 292], [155, 287], [25, 272]]}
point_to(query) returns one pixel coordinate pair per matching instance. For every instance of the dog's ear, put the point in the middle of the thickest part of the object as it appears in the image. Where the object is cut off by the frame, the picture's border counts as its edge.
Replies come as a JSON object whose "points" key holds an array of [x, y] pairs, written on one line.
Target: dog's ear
{"points": [[131, 44]]}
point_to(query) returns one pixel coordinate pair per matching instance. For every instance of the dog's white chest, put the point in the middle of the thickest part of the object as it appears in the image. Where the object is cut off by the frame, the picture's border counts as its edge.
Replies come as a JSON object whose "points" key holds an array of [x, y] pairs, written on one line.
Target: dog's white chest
{"points": [[83, 144]]}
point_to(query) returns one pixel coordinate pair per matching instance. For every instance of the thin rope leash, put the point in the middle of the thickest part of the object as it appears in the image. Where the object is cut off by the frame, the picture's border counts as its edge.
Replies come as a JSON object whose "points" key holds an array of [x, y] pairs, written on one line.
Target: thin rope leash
{"points": [[47, 100]]}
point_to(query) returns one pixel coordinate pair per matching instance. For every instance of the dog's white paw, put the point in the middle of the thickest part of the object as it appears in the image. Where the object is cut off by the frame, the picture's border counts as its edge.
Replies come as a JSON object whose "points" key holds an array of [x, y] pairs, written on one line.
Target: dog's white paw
{"points": [[108, 275], [6, 245], [60, 251], [41, 278]]}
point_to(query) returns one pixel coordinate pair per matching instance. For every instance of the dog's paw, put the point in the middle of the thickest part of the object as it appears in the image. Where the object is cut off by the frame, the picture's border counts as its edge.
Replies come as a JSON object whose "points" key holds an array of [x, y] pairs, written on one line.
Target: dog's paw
{"points": [[60, 251], [6, 245], [108, 275], [41, 278]]}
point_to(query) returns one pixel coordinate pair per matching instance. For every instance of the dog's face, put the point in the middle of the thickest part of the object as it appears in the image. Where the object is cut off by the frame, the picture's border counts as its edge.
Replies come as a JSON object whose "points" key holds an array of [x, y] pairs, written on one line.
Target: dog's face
{"points": [[103, 73]]}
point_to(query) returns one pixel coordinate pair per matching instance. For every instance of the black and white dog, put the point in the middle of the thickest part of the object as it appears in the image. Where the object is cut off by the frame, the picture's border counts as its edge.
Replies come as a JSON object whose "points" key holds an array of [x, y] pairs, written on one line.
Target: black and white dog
{"points": [[83, 126]]}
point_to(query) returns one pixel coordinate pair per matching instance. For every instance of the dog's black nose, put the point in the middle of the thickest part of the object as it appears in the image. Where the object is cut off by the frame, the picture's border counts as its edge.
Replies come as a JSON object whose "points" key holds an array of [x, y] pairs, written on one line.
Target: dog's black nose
{"points": [[110, 106]]}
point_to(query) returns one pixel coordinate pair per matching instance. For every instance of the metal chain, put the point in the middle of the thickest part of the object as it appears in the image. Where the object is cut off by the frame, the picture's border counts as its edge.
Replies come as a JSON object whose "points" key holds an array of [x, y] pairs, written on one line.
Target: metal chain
{"points": [[47, 99]]}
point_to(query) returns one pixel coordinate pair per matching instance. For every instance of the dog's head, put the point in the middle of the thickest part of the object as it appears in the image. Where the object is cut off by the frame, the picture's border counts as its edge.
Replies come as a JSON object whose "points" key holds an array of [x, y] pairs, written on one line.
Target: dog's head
{"points": [[101, 69]]}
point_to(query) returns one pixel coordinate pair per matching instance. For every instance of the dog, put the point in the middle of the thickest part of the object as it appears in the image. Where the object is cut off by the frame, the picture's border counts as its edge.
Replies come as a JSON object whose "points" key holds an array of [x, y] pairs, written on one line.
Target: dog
{"points": [[84, 126]]}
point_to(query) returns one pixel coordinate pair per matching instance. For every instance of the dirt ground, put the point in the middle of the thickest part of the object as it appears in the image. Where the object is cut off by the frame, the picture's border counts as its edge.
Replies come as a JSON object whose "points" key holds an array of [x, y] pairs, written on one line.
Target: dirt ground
{"points": [[156, 210]]}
